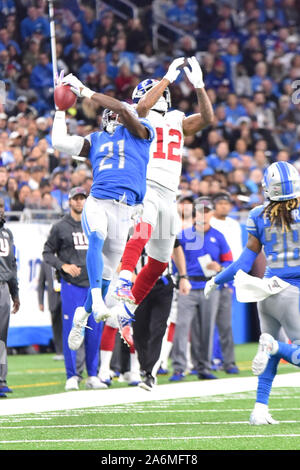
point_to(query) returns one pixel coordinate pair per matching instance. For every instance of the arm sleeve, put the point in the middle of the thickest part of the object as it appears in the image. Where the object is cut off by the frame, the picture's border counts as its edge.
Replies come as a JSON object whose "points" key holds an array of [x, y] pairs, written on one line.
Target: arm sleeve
{"points": [[226, 255], [51, 248], [244, 263], [61, 141]]}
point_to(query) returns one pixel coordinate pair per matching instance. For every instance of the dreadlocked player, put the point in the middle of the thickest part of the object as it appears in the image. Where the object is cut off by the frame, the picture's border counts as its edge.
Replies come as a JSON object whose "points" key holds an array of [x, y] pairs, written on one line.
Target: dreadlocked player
{"points": [[274, 227]]}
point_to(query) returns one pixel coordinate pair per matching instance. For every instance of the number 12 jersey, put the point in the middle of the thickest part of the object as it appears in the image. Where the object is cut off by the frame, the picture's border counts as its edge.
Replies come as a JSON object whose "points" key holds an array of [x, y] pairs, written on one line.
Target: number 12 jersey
{"points": [[165, 162]]}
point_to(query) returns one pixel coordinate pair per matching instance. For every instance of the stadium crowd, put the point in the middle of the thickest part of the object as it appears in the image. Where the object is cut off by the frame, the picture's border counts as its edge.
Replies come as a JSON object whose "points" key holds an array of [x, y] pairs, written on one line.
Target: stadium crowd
{"points": [[249, 52]]}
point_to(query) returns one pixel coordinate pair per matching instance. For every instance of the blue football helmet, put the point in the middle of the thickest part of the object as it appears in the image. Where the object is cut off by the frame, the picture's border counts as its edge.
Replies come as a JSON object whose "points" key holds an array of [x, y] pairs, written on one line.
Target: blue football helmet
{"points": [[281, 182], [164, 102]]}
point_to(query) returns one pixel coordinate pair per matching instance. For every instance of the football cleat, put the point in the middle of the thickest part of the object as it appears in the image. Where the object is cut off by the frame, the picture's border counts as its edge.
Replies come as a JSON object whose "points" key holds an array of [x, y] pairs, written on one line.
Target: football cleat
{"points": [[76, 335], [259, 417], [266, 347], [123, 291], [148, 382], [72, 384], [95, 383]]}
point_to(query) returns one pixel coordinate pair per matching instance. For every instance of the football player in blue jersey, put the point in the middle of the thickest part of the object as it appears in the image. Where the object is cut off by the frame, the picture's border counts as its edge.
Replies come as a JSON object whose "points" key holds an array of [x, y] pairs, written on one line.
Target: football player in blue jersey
{"points": [[119, 156], [275, 227]]}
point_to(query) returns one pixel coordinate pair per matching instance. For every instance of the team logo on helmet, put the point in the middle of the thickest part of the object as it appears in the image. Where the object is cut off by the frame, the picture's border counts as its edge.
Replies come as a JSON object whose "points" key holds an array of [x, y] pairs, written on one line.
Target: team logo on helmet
{"points": [[164, 102], [281, 182]]}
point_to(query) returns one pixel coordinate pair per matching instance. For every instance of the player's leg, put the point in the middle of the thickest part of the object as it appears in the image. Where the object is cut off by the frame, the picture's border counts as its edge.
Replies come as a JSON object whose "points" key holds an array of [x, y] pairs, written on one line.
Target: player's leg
{"points": [[159, 249], [143, 230], [269, 311], [95, 224]]}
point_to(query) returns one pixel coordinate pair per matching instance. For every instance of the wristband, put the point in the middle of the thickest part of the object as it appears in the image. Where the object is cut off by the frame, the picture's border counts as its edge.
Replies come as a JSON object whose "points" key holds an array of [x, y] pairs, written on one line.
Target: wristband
{"points": [[184, 276], [87, 93]]}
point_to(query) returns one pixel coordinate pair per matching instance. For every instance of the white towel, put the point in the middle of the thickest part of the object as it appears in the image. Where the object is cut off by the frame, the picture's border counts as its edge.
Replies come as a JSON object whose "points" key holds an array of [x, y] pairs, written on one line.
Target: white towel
{"points": [[252, 289]]}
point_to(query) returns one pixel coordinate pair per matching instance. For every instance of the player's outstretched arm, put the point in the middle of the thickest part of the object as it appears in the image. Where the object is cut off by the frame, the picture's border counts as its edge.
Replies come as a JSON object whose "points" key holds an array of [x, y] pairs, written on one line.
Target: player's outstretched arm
{"points": [[196, 122], [153, 95], [127, 118]]}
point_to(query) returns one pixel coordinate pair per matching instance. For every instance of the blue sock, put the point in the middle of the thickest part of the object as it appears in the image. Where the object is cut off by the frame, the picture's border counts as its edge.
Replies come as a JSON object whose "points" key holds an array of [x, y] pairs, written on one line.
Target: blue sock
{"points": [[289, 352], [94, 260], [105, 286], [265, 380], [88, 302]]}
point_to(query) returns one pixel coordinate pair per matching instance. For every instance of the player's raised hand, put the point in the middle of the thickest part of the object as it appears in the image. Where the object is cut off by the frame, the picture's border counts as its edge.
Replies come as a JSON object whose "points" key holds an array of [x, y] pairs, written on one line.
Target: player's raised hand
{"points": [[58, 78], [210, 286], [173, 70], [77, 86], [194, 73]]}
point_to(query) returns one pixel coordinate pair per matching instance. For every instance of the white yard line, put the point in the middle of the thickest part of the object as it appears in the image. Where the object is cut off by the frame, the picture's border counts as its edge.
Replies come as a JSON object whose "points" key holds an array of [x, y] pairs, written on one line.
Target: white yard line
{"points": [[179, 438], [137, 425], [92, 398]]}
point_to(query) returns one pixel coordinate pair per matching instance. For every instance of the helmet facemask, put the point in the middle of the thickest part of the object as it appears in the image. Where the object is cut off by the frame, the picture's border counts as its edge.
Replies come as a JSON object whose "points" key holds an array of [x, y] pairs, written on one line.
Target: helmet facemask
{"points": [[110, 121]]}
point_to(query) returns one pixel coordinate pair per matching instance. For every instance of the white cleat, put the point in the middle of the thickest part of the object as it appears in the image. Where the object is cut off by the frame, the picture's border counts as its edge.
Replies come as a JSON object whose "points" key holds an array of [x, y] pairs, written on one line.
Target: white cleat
{"points": [[259, 417], [94, 383], [72, 384], [76, 335], [132, 378], [267, 346]]}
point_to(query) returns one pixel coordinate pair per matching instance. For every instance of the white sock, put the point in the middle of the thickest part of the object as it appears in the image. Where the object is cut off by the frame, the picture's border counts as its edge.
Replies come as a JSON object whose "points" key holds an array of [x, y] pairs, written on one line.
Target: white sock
{"points": [[105, 358], [261, 407], [97, 295], [134, 363], [125, 274]]}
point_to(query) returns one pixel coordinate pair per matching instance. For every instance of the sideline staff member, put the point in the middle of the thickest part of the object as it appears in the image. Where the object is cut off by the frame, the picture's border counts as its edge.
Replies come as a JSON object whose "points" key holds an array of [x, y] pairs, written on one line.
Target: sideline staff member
{"points": [[8, 287], [65, 250]]}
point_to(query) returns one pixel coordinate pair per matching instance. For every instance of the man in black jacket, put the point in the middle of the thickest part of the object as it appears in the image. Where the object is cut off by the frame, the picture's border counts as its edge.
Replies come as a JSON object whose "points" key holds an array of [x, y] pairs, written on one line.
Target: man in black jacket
{"points": [[47, 281], [65, 250], [8, 288]]}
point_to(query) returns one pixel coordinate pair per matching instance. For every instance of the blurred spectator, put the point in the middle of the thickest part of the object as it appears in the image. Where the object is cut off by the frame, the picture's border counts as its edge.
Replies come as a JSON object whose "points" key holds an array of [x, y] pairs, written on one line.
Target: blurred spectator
{"points": [[34, 23]]}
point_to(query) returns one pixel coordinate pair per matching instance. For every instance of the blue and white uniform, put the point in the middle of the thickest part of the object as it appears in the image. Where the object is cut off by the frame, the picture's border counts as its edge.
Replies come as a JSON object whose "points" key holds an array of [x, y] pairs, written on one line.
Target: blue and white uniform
{"points": [[119, 163], [282, 249]]}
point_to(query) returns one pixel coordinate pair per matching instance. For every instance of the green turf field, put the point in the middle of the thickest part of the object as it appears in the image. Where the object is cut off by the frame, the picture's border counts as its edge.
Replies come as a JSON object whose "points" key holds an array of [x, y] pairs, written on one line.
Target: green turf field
{"points": [[218, 422]]}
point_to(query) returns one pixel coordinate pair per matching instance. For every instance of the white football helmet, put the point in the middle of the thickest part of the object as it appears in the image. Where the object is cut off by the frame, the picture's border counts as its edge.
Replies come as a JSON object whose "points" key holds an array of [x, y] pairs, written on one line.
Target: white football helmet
{"points": [[164, 102], [110, 121], [281, 182]]}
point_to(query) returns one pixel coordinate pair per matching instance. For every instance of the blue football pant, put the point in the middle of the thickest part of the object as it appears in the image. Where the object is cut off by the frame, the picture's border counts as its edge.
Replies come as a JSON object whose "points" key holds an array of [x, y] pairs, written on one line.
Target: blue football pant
{"points": [[72, 297]]}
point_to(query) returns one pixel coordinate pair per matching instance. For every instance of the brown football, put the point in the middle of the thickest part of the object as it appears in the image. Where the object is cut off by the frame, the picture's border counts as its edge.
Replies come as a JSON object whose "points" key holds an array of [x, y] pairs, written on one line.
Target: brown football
{"points": [[64, 97]]}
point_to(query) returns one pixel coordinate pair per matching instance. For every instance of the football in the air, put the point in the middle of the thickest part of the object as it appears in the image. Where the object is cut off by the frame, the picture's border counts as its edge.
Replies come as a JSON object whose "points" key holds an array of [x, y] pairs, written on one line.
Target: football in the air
{"points": [[64, 97]]}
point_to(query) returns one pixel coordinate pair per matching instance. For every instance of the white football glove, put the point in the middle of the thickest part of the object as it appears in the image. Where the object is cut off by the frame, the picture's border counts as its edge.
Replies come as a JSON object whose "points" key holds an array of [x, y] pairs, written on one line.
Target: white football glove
{"points": [[173, 71], [58, 78], [210, 286], [77, 86], [194, 75]]}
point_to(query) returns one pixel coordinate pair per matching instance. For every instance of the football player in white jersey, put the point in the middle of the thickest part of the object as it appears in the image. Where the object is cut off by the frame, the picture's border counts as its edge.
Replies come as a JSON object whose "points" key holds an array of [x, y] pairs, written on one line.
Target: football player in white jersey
{"points": [[158, 225]]}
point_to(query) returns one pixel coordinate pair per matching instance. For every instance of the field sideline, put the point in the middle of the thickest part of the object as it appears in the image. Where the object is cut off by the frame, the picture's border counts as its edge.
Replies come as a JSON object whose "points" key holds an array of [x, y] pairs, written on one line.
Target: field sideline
{"points": [[92, 398], [191, 416]]}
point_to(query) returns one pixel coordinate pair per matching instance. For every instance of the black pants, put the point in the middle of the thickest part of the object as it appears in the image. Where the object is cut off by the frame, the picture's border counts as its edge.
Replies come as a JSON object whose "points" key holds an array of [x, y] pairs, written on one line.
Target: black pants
{"points": [[150, 325]]}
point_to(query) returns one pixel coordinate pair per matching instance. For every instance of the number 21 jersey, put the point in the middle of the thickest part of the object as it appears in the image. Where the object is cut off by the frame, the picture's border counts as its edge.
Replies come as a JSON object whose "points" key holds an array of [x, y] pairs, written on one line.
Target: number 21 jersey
{"points": [[165, 161]]}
